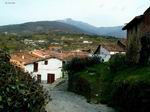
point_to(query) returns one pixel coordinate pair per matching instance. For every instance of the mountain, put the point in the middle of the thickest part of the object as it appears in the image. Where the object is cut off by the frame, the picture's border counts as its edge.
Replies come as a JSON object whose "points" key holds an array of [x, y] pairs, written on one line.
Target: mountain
{"points": [[106, 31], [85, 26], [63, 26], [112, 31], [41, 26]]}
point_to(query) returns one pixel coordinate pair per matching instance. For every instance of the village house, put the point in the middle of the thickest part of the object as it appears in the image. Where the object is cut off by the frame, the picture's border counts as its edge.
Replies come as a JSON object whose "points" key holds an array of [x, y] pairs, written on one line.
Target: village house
{"points": [[137, 29], [45, 69], [45, 65], [105, 51], [87, 42]]}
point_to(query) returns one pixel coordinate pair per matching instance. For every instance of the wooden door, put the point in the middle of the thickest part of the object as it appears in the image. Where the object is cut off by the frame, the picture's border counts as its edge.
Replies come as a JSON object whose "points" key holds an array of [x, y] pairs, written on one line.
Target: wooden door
{"points": [[50, 78], [38, 78]]}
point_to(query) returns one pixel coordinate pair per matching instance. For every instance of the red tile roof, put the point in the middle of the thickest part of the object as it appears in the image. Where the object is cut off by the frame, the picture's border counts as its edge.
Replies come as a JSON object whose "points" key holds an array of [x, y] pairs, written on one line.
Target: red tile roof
{"points": [[111, 47], [24, 58]]}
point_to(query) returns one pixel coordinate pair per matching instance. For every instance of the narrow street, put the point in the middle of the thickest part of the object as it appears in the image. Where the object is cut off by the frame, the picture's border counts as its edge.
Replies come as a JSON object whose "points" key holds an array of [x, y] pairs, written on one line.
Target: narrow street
{"points": [[64, 101]]}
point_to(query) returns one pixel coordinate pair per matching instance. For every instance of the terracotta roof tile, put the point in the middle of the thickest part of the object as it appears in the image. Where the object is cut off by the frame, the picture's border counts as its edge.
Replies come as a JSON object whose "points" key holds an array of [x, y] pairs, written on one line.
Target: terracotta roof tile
{"points": [[113, 47], [24, 58]]}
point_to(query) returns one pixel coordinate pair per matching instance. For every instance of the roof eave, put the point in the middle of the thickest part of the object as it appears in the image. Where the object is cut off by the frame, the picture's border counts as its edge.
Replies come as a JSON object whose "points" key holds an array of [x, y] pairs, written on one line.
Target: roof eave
{"points": [[135, 20]]}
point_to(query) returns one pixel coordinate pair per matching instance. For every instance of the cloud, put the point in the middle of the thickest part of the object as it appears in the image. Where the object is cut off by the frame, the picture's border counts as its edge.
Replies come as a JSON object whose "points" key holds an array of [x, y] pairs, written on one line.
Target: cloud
{"points": [[101, 5]]}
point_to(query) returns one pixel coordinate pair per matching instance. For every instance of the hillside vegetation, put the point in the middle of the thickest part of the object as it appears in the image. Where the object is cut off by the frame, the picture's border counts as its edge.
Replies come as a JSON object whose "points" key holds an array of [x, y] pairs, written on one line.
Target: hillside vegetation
{"points": [[29, 42], [126, 88], [19, 92]]}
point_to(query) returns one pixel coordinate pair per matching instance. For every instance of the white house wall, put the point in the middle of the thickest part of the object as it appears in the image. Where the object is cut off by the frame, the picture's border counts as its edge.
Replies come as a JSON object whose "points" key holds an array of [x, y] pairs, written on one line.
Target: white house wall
{"points": [[112, 53], [104, 54], [54, 66], [29, 68]]}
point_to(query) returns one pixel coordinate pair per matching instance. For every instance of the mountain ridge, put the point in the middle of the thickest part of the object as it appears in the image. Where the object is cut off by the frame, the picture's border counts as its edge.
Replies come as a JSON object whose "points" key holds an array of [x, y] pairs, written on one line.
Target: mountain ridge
{"points": [[63, 26], [40, 26], [106, 31]]}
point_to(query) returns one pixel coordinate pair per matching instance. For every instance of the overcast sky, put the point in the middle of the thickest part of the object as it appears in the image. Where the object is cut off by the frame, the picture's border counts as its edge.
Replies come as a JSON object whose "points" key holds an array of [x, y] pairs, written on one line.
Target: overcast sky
{"points": [[95, 12]]}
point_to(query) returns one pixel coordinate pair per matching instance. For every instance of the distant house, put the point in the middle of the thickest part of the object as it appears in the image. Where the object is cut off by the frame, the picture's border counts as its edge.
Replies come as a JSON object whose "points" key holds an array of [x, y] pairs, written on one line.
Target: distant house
{"points": [[105, 51], [87, 42], [44, 69], [137, 29]]}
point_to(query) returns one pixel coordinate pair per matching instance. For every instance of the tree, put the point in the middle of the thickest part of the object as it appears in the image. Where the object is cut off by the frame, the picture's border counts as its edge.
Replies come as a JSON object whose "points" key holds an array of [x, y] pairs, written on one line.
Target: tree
{"points": [[19, 92], [117, 62]]}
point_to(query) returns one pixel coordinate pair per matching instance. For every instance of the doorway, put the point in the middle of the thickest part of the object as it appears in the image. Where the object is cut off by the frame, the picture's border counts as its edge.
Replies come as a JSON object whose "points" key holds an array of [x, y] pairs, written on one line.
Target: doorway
{"points": [[50, 78]]}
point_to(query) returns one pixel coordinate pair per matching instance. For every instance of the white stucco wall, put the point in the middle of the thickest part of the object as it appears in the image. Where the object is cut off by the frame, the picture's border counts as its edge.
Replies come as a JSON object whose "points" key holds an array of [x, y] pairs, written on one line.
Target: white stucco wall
{"points": [[29, 68], [54, 66], [106, 55]]}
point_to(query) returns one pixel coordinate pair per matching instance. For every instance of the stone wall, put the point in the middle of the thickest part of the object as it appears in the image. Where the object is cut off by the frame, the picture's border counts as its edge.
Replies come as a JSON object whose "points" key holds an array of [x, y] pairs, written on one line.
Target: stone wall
{"points": [[134, 36], [133, 46]]}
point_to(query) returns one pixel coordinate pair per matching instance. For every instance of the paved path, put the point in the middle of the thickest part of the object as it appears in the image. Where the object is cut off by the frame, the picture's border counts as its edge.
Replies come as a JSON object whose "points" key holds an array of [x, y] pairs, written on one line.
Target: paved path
{"points": [[64, 101]]}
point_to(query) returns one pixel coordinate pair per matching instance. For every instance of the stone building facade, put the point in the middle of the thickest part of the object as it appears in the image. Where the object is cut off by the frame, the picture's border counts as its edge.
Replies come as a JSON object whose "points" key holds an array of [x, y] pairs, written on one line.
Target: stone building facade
{"points": [[136, 29]]}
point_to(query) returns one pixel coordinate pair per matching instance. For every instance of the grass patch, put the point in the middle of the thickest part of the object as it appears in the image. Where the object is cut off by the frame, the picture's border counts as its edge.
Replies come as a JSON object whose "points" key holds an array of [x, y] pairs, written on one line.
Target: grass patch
{"points": [[127, 90], [99, 79], [134, 74]]}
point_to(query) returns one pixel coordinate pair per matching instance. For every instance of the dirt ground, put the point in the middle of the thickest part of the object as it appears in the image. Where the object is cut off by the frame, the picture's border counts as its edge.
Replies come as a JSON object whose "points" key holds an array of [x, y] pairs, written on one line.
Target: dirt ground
{"points": [[64, 101]]}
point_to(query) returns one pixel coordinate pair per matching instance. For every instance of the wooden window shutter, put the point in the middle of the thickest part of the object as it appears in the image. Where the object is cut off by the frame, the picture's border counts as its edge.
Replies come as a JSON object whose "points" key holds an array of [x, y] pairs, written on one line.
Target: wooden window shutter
{"points": [[46, 62], [35, 64]]}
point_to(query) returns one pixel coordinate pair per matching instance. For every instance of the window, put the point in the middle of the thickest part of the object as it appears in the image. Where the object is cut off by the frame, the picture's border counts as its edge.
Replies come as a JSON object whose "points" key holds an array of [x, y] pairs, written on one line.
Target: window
{"points": [[35, 66], [46, 62]]}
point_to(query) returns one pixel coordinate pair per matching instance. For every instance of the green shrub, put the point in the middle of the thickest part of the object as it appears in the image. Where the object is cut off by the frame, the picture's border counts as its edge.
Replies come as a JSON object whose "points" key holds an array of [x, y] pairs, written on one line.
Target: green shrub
{"points": [[131, 89], [93, 60], [75, 82], [79, 64], [19, 92], [82, 87], [131, 97], [117, 62], [75, 65]]}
